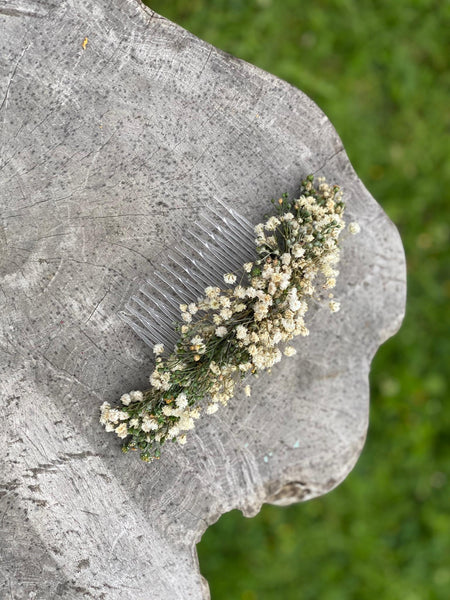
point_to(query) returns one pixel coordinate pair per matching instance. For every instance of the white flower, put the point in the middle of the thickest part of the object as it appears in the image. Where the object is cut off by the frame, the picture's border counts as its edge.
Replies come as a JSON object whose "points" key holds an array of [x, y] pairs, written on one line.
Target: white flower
{"points": [[212, 292], [298, 250], [239, 291], [287, 217], [245, 366], [226, 314], [181, 439], [286, 258], [272, 224], [125, 399], [173, 432], [137, 396], [186, 422], [334, 306], [272, 288], [248, 267], [134, 423], [149, 424], [187, 317], [122, 430], [109, 427], [241, 332], [229, 278], [195, 412], [221, 331], [290, 351], [214, 368], [114, 415], [158, 348], [212, 408], [167, 410], [181, 400], [197, 340], [354, 228], [192, 308], [248, 390]]}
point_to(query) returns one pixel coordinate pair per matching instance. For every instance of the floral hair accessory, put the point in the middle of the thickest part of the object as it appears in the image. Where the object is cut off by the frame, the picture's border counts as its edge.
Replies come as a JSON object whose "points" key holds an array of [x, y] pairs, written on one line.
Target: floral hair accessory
{"points": [[241, 328]]}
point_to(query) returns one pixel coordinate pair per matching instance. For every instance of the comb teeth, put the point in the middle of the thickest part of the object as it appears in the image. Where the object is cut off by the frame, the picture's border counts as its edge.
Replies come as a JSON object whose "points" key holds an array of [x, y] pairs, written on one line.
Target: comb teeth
{"points": [[221, 242]]}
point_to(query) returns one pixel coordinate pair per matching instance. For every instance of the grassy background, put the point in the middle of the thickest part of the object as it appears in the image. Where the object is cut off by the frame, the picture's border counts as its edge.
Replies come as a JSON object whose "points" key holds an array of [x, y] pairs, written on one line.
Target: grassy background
{"points": [[378, 70]]}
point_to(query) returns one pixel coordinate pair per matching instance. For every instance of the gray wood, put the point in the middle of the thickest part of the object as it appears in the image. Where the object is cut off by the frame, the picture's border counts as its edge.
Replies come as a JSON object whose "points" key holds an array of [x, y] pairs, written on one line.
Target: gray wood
{"points": [[107, 154]]}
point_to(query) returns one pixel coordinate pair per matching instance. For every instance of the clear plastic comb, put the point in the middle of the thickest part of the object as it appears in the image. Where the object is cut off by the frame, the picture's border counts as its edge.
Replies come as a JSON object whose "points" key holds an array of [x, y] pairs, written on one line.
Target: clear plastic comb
{"points": [[221, 242]]}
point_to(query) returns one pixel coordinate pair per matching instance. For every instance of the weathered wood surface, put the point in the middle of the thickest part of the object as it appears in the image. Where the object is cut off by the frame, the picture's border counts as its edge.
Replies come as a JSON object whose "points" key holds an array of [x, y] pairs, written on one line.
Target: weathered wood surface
{"points": [[107, 153]]}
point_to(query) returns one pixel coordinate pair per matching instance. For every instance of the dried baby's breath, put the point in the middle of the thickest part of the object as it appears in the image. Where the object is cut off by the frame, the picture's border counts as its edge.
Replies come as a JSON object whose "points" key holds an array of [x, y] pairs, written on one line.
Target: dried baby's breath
{"points": [[238, 330]]}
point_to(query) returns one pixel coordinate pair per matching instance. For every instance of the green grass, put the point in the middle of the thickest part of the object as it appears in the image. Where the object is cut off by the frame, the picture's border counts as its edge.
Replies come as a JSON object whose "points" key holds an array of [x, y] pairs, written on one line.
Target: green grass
{"points": [[379, 71]]}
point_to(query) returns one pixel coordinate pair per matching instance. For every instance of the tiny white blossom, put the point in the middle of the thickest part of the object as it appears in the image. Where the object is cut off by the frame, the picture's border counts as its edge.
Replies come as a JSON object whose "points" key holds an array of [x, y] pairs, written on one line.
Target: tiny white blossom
{"points": [[239, 291], [290, 351], [298, 251], [192, 308], [158, 348], [181, 400], [248, 267], [149, 424], [195, 412], [245, 366], [221, 331], [125, 399], [334, 306], [136, 396], [173, 432], [226, 314], [181, 439], [354, 228], [114, 415], [248, 390], [122, 430], [272, 223], [214, 368], [241, 332], [229, 278], [212, 292], [212, 408]]}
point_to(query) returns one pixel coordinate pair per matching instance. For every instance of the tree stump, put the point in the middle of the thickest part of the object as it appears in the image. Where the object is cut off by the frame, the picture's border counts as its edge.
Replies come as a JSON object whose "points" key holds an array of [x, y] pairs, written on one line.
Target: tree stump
{"points": [[117, 126]]}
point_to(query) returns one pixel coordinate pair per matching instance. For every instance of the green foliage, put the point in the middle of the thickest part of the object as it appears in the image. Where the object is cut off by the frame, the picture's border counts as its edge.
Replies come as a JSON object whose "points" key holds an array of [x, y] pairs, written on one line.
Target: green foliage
{"points": [[379, 71]]}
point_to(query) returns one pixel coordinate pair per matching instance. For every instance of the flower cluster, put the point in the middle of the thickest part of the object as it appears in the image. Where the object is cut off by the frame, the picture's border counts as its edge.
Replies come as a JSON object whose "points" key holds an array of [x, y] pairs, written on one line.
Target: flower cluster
{"points": [[241, 329]]}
